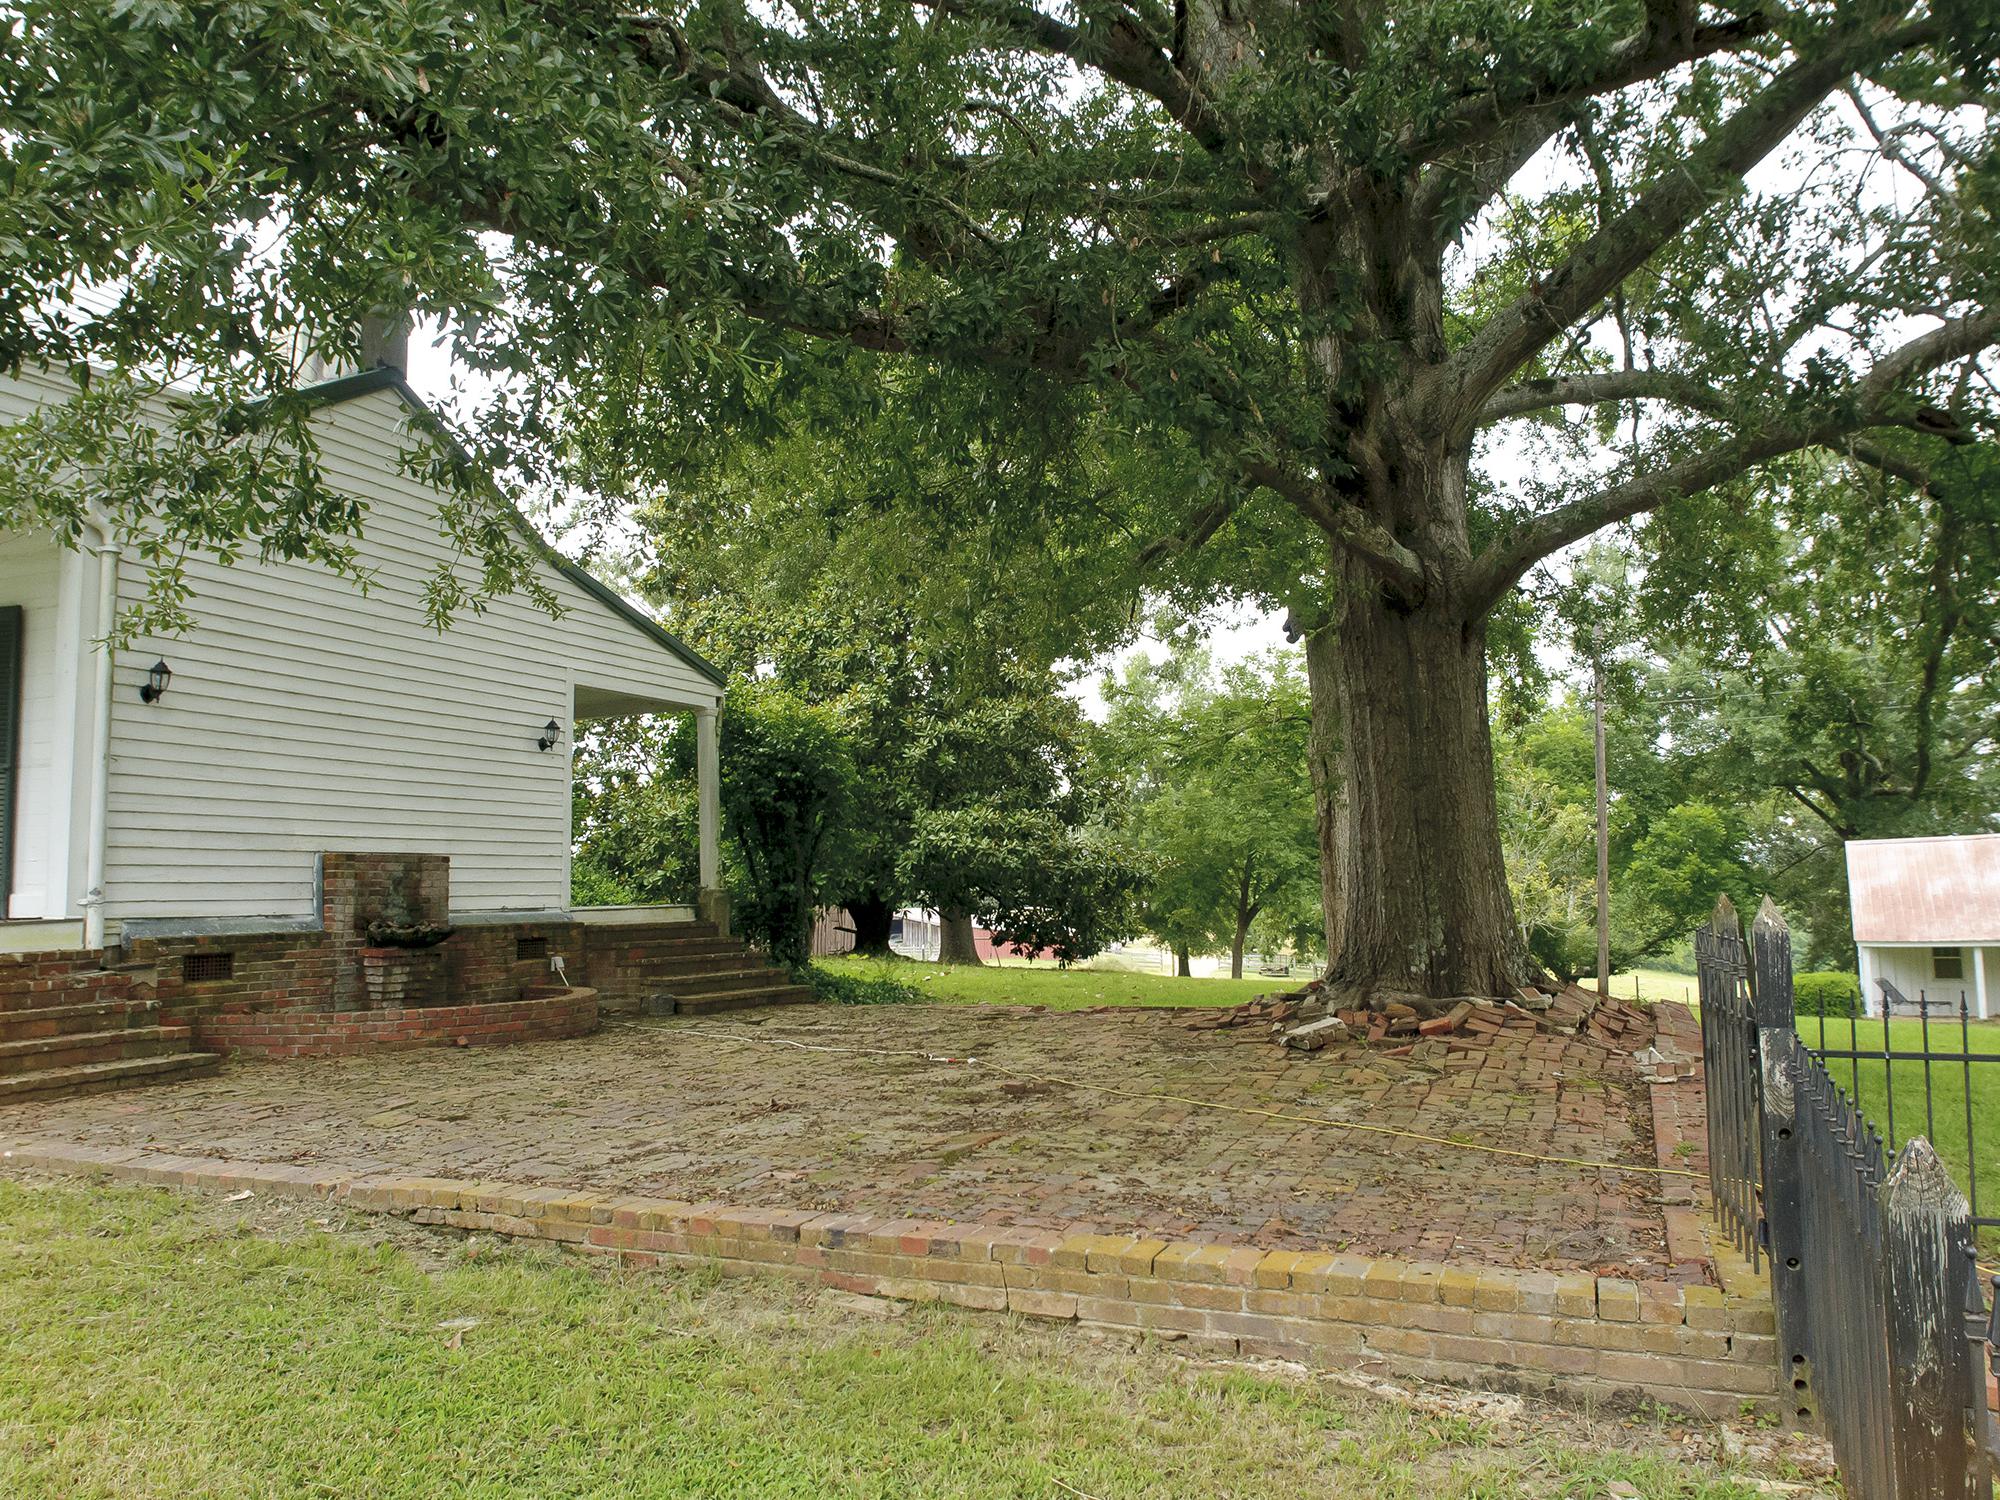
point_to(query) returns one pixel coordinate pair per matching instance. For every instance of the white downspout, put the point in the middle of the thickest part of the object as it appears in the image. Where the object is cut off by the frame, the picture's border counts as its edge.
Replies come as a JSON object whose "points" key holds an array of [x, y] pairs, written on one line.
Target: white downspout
{"points": [[108, 552]]}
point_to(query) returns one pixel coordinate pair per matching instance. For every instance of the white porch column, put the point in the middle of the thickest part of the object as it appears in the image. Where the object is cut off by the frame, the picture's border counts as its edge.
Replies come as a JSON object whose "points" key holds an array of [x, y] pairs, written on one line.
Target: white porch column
{"points": [[1866, 964], [1979, 1001], [710, 903]]}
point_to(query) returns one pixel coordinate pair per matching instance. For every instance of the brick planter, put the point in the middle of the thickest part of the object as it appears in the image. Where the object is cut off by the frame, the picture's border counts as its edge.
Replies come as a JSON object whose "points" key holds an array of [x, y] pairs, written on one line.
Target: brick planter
{"points": [[398, 978], [544, 1017]]}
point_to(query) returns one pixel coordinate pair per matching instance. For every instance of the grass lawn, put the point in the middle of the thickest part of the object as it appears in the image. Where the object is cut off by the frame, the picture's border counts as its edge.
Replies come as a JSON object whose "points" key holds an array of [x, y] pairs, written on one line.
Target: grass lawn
{"points": [[166, 1344], [1651, 984], [1058, 989]]}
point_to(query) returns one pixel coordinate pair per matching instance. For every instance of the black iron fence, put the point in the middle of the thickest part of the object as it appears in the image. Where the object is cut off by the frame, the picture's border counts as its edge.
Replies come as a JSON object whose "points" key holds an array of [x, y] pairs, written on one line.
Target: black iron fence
{"points": [[1883, 1334], [1729, 1050], [1921, 1066]]}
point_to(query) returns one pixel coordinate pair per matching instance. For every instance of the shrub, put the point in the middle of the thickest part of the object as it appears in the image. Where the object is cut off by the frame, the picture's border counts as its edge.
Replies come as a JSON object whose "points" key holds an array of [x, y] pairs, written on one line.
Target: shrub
{"points": [[1833, 994], [788, 785], [859, 989]]}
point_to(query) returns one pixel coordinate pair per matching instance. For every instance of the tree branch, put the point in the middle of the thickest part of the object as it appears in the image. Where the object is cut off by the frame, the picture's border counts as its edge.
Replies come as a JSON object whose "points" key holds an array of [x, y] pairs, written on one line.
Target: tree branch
{"points": [[1513, 336], [1869, 401], [1191, 538], [1641, 56], [1454, 193], [1120, 50], [1831, 820], [1347, 526], [1611, 385]]}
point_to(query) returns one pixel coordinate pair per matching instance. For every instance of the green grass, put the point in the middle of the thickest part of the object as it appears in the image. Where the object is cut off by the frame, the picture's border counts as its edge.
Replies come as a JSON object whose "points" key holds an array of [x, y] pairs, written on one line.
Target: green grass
{"points": [[1058, 989], [167, 1344], [1652, 984]]}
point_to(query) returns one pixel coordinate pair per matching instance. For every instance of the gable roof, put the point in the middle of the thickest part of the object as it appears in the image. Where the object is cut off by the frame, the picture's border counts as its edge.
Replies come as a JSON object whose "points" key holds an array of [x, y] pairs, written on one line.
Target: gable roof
{"points": [[1943, 890], [387, 378]]}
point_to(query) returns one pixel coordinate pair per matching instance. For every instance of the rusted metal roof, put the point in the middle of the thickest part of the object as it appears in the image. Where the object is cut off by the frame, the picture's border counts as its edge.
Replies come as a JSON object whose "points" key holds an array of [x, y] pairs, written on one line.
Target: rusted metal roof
{"points": [[1930, 890]]}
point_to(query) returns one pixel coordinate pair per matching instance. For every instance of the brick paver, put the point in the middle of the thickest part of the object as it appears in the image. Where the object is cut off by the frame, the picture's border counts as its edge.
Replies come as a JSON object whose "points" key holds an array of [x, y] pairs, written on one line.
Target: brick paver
{"points": [[721, 1110]]}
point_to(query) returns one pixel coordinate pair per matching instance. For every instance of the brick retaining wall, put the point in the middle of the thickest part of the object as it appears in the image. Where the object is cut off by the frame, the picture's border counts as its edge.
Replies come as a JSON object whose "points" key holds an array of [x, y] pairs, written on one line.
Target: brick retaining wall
{"points": [[268, 971], [1697, 1347], [341, 1033], [287, 978]]}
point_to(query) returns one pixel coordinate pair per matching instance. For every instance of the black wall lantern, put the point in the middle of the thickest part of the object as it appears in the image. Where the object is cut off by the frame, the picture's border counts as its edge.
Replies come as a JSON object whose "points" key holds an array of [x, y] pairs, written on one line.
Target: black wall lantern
{"points": [[551, 732], [157, 678]]}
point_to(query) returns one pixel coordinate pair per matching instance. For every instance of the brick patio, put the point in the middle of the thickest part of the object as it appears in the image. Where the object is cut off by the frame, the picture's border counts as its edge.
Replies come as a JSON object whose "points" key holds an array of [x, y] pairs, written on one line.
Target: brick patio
{"points": [[719, 1110]]}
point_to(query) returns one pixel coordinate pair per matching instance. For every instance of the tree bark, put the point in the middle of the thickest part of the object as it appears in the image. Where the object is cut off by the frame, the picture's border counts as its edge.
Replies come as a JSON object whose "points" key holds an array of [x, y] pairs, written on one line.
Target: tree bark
{"points": [[955, 944], [872, 917], [1182, 967], [1411, 868]]}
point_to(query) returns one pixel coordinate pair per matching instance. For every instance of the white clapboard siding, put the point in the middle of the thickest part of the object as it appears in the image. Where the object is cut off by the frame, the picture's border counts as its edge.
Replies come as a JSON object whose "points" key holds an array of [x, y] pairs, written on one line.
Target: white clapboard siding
{"points": [[307, 715], [1910, 970]]}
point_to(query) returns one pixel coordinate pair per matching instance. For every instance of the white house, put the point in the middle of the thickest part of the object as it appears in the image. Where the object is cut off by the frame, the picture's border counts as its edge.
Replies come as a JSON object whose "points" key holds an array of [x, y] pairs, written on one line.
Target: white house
{"points": [[304, 716], [1927, 918]]}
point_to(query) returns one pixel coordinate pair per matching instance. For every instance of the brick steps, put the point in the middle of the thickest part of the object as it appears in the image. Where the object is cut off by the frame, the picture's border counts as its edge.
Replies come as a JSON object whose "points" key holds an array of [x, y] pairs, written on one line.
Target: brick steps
{"points": [[18, 994], [91, 1078], [691, 950], [40, 1054], [70, 1029], [705, 1005], [641, 934], [688, 969], [70, 1020], [687, 984]]}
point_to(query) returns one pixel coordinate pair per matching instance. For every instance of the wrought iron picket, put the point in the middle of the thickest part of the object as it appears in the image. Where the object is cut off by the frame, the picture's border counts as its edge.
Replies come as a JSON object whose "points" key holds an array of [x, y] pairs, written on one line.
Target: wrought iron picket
{"points": [[1729, 1051]]}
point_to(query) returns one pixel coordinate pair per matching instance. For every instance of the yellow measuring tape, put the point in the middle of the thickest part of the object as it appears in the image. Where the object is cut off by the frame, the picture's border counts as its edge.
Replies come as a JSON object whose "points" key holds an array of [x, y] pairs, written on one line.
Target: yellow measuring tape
{"points": [[1237, 1109]]}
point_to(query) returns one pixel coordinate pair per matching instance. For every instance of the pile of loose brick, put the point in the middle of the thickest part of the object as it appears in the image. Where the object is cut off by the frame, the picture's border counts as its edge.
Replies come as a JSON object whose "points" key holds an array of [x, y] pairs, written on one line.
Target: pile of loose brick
{"points": [[1304, 1020]]}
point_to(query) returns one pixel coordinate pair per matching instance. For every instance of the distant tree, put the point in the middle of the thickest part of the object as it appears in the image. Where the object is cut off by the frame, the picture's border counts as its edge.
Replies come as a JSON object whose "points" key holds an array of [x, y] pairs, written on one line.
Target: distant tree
{"points": [[1845, 667], [634, 815], [1672, 853], [1221, 796], [1547, 833], [946, 674], [1010, 826], [1686, 857], [1037, 881]]}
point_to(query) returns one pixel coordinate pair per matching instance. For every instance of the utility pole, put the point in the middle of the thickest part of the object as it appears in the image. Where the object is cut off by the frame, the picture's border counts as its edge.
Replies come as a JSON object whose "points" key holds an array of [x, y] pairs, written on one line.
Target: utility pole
{"points": [[1603, 820]]}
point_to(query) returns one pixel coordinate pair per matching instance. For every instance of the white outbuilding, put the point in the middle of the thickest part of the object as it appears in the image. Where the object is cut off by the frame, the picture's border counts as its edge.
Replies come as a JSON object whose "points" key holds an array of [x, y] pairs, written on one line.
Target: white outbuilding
{"points": [[302, 715], [1927, 919]]}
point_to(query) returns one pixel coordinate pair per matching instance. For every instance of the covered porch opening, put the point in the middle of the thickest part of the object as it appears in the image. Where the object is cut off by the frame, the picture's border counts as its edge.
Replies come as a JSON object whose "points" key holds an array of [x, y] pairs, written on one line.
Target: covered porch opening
{"points": [[641, 850]]}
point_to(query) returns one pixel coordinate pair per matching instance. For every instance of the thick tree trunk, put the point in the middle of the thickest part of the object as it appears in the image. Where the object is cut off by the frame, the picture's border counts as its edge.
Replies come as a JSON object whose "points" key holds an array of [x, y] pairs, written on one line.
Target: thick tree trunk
{"points": [[1415, 886], [872, 917], [955, 944], [1182, 966]]}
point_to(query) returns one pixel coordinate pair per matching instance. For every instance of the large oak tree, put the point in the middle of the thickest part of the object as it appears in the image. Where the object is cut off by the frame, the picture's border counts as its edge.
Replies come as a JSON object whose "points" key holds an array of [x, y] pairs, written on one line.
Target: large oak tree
{"points": [[1272, 272]]}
